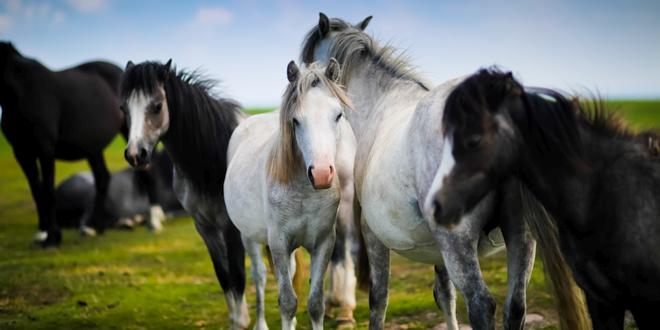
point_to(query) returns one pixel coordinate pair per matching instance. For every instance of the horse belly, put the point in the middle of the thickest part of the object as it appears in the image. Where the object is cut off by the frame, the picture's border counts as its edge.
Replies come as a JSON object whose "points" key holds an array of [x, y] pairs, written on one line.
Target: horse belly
{"points": [[398, 225], [245, 206]]}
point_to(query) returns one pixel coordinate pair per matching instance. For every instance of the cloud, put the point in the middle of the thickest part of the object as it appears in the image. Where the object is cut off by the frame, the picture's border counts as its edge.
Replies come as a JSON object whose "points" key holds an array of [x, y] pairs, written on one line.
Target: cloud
{"points": [[88, 6], [59, 17], [213, 16], [16, 12], [5, 22]]}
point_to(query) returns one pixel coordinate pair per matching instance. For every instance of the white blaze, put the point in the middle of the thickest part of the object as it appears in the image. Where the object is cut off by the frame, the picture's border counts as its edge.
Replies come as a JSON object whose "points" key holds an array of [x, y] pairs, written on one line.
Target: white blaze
{"points": [[137, 106], [447, 163]]}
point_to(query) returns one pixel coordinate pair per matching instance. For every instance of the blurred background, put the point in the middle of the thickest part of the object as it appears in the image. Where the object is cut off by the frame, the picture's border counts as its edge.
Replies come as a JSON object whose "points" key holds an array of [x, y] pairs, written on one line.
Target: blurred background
{"points": [[142, 280], [612, 46]]}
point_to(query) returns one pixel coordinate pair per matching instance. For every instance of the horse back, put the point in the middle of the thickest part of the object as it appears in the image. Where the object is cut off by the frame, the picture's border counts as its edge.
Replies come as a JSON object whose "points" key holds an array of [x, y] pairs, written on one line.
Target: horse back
{"points": [[108, 71]]}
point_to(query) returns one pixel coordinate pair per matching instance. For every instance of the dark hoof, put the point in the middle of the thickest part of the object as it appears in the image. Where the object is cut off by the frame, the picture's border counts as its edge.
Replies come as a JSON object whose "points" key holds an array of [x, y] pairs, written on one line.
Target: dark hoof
{"points": [[53, 240]]}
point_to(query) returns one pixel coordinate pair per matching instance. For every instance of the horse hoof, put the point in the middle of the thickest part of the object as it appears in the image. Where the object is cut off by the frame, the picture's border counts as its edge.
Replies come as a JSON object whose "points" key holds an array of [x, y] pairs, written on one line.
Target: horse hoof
{"points": [[126, 223], [346, 323], [53, 239], [87, 231], [40, 237]]}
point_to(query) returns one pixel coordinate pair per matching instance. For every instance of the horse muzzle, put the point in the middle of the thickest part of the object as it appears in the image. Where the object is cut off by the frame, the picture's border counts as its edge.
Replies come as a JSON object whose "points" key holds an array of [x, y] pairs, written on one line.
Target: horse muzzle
{"points": [[321, 176], [137, 157]]}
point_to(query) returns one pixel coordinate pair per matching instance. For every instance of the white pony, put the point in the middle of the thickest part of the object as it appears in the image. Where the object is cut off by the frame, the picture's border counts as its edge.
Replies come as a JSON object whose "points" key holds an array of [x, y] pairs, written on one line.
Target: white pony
{"points": [[284, 183], [397, 124]]}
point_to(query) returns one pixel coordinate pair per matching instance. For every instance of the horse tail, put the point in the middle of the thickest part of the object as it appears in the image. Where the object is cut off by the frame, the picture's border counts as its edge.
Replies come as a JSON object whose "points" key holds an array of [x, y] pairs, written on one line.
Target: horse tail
{"points": [[298, 277], [363, 270], [569, 298]]}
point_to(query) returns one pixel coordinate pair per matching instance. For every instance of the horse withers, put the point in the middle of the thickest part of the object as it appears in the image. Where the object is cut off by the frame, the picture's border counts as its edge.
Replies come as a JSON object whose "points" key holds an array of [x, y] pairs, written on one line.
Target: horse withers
{"points": [[286, 176], [593, 185], [69, 115]]}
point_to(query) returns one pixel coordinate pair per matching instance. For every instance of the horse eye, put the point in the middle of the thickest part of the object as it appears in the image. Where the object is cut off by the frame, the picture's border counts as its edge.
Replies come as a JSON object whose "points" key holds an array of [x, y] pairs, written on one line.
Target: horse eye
{"points": [[295, 122], [122, 108], [472, 142], [158, 107], [338, 117]]}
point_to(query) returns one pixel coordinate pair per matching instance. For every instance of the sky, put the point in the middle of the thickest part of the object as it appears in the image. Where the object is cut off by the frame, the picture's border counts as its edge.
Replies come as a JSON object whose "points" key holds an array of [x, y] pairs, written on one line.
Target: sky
{"points": [[608, 46]]}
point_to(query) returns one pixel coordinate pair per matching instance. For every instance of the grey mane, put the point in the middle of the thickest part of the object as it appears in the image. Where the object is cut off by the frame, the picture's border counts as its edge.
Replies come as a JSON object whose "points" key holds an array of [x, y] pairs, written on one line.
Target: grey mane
{"points": [[351, 46]]}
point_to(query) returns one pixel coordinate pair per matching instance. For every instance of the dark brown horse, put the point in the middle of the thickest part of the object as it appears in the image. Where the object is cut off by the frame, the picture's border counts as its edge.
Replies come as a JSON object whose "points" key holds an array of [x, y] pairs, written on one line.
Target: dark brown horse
{"points": [[599, 182], [70, 115]]}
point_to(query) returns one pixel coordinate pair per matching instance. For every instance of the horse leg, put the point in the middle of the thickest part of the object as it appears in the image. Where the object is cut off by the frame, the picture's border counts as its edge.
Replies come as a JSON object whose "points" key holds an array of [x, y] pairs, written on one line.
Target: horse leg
{"points": [[259, 279], [646, 315], [378, 256], [48, 201], [342, 273], [284, 268], [100, 216], [444, 294], [28, 164], [146, 180], [520, 250], [605, 316], [460, 254], [320, 257], [213, 232]]}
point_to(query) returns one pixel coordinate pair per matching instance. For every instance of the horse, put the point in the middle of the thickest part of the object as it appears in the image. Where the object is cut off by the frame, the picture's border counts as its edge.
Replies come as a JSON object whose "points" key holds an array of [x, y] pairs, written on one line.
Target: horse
{"points": [[598, 184], [69, 115], [128, 197], [396, 122], [179, 109], [286, 174]]}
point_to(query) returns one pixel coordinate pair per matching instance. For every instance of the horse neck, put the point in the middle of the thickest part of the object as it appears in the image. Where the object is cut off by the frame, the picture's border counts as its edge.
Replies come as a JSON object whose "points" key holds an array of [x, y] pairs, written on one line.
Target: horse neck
{"points": [[564, 189], [203, 150], [425, 138], [375, 93], [13, 85]]}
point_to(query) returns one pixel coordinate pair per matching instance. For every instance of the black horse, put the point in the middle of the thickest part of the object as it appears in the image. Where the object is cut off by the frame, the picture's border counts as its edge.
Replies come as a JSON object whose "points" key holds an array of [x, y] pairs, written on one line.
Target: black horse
{"points": [[128, 199], [194, 126], [599, 183], [71, 114]]}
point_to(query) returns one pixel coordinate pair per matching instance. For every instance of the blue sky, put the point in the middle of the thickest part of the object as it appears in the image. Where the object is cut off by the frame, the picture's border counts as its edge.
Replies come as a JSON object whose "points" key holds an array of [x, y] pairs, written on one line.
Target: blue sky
{"points": [[609, 46]]}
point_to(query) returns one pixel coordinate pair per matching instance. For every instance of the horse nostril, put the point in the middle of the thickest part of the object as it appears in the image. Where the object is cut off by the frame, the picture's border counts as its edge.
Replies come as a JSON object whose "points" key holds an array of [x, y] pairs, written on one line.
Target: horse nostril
{"points": [[332, 169], [143, 153], [126, 155], [437, 211], [309, 174]]}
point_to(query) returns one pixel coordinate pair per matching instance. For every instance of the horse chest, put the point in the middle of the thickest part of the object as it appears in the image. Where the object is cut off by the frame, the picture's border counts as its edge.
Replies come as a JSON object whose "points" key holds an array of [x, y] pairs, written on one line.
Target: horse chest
{"points": [[302, 213]]}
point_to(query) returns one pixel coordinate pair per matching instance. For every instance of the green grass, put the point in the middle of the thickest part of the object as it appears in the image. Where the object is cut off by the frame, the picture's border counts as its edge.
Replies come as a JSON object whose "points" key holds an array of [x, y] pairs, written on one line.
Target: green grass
{"points": [[138, 280]]}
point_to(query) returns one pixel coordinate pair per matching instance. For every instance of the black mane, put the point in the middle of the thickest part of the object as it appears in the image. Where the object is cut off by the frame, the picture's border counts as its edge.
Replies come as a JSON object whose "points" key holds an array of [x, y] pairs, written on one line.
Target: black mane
{"points": [[200, 123], [550, 119]]}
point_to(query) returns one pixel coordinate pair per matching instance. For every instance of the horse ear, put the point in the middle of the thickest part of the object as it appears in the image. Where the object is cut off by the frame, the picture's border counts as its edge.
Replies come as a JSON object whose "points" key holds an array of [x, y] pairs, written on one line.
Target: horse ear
{"points": [[129, 65], [166, 69], [512, 86], [332, 70], [292, 71], [324, 25], [363, 25]]}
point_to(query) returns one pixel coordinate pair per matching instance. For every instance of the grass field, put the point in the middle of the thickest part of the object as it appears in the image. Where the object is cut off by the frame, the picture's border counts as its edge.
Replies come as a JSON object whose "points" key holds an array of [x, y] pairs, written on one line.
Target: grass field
{"points": [[137, 280]]}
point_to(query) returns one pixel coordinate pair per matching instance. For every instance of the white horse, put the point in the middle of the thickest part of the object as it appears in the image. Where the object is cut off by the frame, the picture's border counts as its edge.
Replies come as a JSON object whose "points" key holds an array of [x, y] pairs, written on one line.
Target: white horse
{"points": [[397, 123], [284, 183]]}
